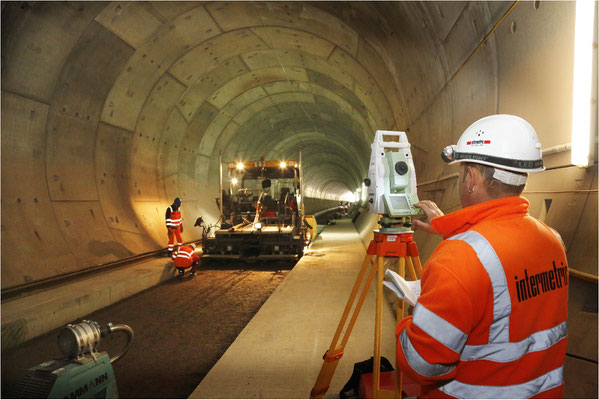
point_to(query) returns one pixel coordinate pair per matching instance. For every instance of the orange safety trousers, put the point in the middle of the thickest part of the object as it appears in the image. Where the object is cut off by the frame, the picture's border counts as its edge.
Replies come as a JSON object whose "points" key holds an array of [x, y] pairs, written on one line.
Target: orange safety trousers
{"points": [[172, 232]]}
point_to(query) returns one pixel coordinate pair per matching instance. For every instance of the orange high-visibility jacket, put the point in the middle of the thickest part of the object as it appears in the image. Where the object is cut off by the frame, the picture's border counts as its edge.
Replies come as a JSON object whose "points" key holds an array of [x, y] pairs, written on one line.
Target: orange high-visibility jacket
{"points": [[491, 318], [185, 256], [173, 218]]}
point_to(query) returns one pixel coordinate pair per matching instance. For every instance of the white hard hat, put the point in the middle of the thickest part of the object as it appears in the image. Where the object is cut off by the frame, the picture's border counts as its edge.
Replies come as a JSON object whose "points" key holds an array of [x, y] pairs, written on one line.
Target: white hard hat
{"points": [[503, 141]]}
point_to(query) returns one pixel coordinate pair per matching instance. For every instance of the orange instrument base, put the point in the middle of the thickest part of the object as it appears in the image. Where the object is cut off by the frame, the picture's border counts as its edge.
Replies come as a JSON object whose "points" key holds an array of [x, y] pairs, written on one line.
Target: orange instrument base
{"points": [[399, 244]]}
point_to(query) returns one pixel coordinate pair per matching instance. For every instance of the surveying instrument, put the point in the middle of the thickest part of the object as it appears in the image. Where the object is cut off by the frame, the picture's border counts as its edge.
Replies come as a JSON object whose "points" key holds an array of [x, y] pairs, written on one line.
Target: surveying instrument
{"points": [[391, 186]]}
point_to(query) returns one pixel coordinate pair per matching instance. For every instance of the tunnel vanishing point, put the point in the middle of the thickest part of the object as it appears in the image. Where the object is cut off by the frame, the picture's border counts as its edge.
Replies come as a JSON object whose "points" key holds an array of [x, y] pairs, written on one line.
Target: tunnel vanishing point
{"points": [[112, 109]]}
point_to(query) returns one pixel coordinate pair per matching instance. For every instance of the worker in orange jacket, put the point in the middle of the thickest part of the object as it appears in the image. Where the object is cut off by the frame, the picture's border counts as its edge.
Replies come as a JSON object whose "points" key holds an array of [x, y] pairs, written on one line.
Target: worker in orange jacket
{"points": [[185, 257], [174, 225], [491, 318]]}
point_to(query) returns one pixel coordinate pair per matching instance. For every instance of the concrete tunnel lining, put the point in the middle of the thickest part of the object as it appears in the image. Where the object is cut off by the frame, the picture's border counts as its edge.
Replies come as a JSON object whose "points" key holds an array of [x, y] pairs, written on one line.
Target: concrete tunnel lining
{"points": [[110, 110], [137, 106]]}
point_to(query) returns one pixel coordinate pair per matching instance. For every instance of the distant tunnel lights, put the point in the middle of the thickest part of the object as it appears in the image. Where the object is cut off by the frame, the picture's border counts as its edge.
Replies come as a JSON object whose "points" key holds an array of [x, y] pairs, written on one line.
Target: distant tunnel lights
{"points": [[234, 181], [240, 166], [583, 70]]}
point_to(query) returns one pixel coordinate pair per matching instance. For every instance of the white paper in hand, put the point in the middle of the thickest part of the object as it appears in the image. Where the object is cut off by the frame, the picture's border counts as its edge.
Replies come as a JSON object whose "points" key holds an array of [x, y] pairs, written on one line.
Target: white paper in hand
{"points": [[408, 291]]}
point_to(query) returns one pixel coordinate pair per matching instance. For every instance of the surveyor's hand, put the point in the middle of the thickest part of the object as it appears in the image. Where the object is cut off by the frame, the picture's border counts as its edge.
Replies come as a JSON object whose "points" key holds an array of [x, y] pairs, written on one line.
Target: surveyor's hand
{"points": [[431, 210]]}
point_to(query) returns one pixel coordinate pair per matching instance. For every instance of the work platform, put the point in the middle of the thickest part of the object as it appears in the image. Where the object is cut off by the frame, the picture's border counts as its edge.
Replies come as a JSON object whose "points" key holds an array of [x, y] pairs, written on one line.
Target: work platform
{"points": [[279, 352]]}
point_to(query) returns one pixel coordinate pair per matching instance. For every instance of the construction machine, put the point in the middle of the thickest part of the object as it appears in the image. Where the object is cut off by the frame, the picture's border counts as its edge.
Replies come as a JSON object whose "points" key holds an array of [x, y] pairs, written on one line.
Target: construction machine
{"points": [[83, 372], [262, 213]]}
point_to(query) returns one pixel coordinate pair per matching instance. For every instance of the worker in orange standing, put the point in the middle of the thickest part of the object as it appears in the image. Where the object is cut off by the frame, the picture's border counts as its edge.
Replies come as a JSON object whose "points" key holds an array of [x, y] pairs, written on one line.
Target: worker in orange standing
{"points": [[174, 225], [491, 318], [186, 257]]}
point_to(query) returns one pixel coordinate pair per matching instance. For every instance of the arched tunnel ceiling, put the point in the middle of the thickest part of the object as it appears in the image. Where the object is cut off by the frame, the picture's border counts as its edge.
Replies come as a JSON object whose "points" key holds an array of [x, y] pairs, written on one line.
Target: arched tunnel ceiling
{"points": [[256, 79], [126, 105]]}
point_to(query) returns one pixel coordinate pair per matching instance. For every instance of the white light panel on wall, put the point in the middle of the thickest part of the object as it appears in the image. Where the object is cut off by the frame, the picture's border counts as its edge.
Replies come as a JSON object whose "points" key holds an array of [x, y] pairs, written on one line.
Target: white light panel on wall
{"points": [[583, 70]]}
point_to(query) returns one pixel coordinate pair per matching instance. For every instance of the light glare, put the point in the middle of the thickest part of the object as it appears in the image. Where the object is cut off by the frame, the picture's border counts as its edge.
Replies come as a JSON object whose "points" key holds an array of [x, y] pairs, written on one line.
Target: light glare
{"points": [[240, 165], [581, 96]]}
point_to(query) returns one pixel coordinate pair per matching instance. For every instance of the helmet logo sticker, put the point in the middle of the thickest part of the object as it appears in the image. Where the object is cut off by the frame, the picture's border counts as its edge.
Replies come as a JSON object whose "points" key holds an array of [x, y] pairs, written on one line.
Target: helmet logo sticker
{"points": [[477, 142]]}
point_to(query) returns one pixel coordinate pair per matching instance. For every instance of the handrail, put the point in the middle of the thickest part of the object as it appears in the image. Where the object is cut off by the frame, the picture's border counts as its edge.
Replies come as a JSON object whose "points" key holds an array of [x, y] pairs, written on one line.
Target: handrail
{"points": [[583, 275]]}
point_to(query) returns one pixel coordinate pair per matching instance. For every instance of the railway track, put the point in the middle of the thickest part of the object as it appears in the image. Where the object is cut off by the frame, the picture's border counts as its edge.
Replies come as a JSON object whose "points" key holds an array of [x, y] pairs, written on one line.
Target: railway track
{"points": [[182, 327], [44, 284]]}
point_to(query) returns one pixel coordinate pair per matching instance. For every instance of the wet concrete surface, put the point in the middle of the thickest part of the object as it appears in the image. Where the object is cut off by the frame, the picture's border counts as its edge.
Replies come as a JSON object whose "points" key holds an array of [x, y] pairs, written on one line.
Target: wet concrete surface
{"points": [[182, 327]]}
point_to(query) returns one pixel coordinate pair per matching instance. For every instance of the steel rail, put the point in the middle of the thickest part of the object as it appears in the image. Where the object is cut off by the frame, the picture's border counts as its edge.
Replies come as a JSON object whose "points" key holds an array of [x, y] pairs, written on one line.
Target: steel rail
{"points": [[10, 293]]}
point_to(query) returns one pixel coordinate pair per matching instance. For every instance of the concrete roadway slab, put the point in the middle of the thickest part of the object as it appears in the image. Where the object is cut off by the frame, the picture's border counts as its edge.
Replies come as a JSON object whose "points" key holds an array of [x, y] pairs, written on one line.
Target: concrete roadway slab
{"points": [[279, 353]]}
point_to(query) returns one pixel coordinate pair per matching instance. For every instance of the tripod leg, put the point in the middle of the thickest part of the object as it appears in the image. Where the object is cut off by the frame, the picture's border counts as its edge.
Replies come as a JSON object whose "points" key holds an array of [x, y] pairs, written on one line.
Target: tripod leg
{"points": [[418, 266], [334, 353], [378, 328], [413, 273], [351, 299], [398, 383], [401, 270], [354, 317]]}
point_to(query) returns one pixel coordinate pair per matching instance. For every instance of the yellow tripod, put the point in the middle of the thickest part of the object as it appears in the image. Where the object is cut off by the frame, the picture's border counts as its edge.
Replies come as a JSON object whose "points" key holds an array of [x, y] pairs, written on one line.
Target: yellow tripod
{"points": [[397, 245]]}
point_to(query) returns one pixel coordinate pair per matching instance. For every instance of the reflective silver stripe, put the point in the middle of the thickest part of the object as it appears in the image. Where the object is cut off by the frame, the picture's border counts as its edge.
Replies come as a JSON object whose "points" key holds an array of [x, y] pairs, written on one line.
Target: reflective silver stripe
{"points": [[499, 331], [439, 329], [506, 352], [525, 390], [185, 253], [418, 363]]}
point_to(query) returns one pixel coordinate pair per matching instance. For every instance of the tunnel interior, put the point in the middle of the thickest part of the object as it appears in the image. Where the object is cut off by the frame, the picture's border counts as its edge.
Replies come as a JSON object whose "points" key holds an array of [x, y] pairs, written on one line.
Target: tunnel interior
{"points": [[111, 110]]}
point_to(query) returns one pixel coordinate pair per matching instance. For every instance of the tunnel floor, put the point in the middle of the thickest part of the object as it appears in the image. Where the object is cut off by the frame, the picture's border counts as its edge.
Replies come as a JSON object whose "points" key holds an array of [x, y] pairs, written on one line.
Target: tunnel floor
{"points": [[182, 327]]}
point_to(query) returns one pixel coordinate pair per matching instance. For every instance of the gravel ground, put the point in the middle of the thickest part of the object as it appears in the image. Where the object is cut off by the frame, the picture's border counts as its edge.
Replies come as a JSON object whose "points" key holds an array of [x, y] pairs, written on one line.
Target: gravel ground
{"points": [[182, 327]]}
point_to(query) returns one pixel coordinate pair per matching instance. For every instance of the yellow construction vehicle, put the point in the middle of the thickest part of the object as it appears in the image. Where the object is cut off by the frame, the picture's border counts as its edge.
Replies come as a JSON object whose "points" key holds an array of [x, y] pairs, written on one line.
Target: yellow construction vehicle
{"points": [[261, 213]]}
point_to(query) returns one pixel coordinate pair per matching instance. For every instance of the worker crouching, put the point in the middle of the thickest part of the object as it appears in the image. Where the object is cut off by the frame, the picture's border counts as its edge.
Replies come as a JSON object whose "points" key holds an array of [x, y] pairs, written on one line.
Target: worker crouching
{"points": [[184, 258], [490, 321]]}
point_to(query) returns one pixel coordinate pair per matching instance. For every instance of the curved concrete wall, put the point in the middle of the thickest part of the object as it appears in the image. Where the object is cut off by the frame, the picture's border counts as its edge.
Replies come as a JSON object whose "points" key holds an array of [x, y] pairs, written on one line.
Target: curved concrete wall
{"points": [[313, 205], [365, 224], [110, 110]]}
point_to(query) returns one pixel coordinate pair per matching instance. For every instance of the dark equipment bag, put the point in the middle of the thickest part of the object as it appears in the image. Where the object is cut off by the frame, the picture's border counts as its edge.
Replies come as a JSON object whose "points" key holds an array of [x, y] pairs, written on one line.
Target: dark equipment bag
{"points": [[362, 367]]}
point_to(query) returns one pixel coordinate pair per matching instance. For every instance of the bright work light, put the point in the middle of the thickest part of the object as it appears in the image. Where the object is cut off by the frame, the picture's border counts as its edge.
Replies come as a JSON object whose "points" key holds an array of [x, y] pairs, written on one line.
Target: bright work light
{"points": [[239, 165], [283, 164], [234, 181], [583, 70]]}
